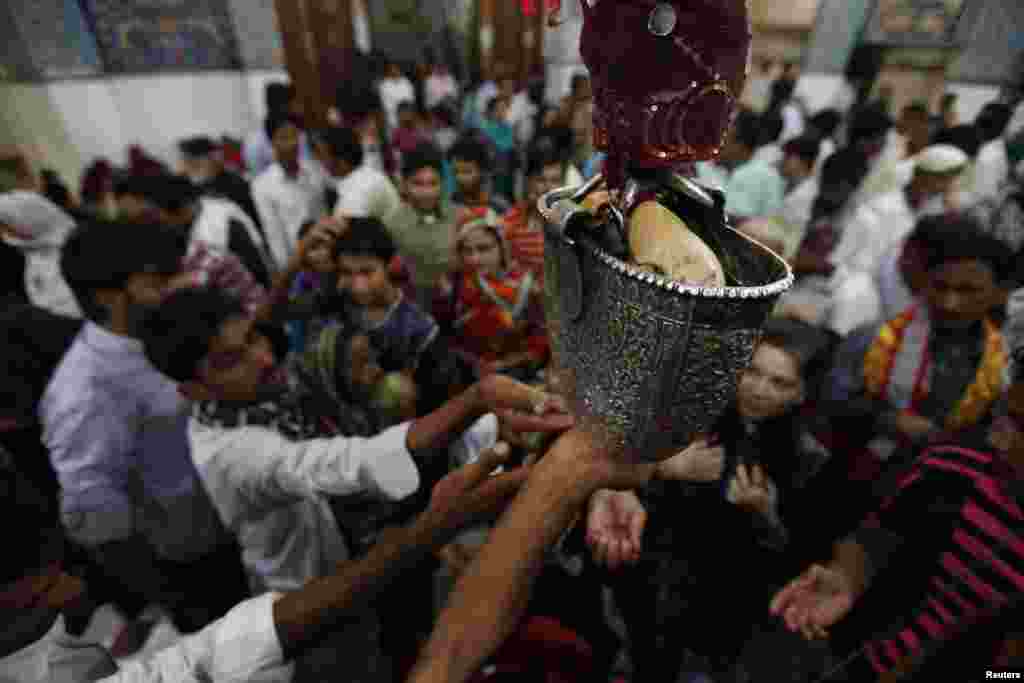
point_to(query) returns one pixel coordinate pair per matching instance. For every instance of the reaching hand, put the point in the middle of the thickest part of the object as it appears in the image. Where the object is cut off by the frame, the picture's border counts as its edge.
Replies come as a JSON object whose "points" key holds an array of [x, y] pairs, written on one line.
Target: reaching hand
{"points": [[470, 493], [521, 408], [698, 462], [749, 490], [814, 602], [615, 527]]}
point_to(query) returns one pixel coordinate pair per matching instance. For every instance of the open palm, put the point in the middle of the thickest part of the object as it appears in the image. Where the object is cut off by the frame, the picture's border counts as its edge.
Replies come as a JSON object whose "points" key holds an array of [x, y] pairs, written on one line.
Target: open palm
{"points": [[814, 602], [615, 527]]}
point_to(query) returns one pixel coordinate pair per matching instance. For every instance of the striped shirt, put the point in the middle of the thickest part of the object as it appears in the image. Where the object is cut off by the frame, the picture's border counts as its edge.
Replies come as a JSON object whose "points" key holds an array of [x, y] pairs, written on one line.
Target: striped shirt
{"points": [[525, 244], [954, 501]]}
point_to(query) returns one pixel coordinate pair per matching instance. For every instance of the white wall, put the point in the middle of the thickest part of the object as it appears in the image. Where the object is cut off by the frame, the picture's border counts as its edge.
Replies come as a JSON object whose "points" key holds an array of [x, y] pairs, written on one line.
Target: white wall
{"points": [[66, 124]]}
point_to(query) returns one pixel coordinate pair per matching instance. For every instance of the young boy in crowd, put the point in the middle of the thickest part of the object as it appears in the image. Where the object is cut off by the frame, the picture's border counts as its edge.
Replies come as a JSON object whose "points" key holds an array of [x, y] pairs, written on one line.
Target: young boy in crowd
{"points": [[403, 338], [370, 301], [471, 164], [289, 193], [502, 138], [523, 225], [799, 156], [409, 133], [424, 227]]}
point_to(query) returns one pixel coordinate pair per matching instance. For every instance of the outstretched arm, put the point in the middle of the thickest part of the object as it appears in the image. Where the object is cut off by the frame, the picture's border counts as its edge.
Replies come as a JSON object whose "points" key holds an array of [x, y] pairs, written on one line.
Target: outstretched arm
{"points": [[491, 595]]}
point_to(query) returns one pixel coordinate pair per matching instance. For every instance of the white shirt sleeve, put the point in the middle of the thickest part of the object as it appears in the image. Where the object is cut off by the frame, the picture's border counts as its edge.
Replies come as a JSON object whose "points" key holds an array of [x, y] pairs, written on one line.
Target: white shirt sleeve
{"points": [[267, 469], [239, 646]]}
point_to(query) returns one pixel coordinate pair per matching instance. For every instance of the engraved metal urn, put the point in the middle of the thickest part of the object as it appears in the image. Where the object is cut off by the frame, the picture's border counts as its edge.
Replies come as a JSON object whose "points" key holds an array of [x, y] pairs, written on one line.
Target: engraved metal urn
{"points": [[649, 362]]}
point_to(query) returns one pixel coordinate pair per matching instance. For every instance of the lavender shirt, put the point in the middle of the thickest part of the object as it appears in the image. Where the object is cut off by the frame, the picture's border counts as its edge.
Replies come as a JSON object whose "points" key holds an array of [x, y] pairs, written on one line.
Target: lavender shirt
{"points": [[117, 434]]}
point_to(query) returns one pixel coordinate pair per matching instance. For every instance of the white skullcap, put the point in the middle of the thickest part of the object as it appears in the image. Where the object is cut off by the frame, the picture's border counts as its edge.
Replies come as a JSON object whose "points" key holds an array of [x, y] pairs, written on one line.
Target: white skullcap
{"points": [[941, 160]]}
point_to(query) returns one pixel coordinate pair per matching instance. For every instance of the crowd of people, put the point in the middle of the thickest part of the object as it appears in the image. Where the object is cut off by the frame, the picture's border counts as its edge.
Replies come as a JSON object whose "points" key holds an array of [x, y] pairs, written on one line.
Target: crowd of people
{"points": [[278, 395]]}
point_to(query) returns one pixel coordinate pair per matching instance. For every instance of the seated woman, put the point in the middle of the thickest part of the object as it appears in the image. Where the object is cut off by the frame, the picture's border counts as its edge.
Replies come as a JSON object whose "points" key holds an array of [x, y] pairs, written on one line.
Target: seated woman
{"points": [[746, 478], [490, 306]]}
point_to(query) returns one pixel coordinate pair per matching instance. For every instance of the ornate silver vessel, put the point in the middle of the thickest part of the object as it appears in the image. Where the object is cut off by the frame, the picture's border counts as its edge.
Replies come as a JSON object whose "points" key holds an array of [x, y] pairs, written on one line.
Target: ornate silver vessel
{"points": [[649, 362]]}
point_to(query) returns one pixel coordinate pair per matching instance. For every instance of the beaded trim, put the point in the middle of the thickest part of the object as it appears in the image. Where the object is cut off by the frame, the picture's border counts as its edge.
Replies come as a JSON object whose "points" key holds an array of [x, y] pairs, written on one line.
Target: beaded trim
{"points": [[547, 209]]}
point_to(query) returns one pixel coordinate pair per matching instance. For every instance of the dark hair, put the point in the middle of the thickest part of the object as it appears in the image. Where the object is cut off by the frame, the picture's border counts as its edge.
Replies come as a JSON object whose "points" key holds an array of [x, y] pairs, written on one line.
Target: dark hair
{"points": [[200, 146], [366, 237], [782, 91], [559, 138], [847, 164], [578, 79], [805, 147], [176, 335], [957, 236], [771, 127], [425, 155], [165, 191], [469, 148], [278, 97], [276, 122], [993, 119], [825, 122], [841, 174], [803, 341], [965, 137], [868, 123], [98, 177], [101, 255], [344, 145], [543, 153], [748, 129]]}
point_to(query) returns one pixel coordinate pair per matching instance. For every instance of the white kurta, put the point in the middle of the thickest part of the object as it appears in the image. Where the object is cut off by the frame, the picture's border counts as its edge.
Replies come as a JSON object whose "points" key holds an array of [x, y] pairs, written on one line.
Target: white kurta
{"points": [[872, 230], [991, 170], [796, 214], [241, 646], [270, 491], [285, 204]]}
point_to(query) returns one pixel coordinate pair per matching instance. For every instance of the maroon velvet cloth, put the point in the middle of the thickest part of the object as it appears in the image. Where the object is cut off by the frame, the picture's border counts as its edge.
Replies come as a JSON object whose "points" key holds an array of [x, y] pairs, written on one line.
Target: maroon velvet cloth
{"points": [[663, 101]]}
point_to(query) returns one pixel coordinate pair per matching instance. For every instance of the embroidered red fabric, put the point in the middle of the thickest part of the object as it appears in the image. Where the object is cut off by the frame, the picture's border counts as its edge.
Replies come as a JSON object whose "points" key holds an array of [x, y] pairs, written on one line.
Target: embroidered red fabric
{"points": [[666, 76]]}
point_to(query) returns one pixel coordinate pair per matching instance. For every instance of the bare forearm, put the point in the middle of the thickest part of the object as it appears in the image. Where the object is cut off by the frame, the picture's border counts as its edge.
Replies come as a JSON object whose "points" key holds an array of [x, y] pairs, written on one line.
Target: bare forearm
{"points": [[303, 616], [438, 428], [490, 596], [850, 558]]}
